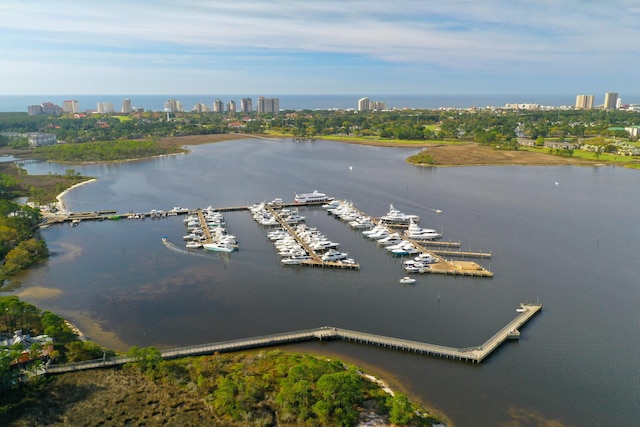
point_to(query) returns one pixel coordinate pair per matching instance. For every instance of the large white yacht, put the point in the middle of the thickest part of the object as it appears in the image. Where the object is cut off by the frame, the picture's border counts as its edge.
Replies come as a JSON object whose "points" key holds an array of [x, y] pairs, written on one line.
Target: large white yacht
{"points": [[333, 255], [414, 232], [315, 197], [394, 216]]}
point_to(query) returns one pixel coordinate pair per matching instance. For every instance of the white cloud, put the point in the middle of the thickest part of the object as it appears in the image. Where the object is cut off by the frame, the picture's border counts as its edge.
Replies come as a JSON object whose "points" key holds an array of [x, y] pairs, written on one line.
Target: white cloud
{"points": [[455, 34]]}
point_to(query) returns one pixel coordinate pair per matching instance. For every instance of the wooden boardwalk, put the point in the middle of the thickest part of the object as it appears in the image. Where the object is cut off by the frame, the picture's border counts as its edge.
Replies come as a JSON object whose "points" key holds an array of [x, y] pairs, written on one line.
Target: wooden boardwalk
{"points": [[204, 227], [474, 354]]}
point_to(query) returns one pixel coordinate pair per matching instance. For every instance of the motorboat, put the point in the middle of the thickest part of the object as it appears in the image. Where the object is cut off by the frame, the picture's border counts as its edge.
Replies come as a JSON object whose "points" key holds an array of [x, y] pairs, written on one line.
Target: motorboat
{"points": [[219, 247], [334, 255], [332, 204], [296, 259], [361, 223], [391, 239], [315, 197], [193, 245], [406, 280]]}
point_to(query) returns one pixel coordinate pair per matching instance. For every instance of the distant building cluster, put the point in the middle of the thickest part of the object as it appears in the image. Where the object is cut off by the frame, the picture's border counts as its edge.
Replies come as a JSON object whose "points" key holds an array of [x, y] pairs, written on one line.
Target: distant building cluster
{"points": [[365, 104], [583, 102], [44, 108], [524, 106], [264, 106], [35, 139], [611, 102]]}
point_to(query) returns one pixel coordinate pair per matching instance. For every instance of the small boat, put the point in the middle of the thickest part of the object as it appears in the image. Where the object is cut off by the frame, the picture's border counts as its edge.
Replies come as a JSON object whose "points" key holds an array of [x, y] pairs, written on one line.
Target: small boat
{"points": [[406, 280], [219, 247], [520, 310]]}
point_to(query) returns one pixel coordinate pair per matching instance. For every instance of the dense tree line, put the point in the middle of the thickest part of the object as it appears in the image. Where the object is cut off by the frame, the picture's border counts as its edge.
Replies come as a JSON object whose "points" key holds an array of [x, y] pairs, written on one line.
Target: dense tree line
{"points": [[19, 246], [484, 125], [279, 388], [17, 315], [102, 151]]}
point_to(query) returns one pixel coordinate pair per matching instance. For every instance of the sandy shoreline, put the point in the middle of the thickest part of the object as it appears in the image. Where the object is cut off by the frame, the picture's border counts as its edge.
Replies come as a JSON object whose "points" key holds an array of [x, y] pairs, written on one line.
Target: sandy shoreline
{"points": [[60, 197]]}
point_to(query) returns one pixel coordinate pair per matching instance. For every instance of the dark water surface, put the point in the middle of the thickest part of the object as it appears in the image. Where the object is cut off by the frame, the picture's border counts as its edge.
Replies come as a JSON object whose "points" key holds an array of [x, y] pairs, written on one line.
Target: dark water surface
{"points": [[572, 245]]}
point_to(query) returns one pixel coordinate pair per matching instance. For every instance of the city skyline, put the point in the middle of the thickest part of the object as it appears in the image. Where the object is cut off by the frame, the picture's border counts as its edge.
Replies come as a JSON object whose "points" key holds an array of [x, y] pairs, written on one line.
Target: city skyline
{"points": [[289, 47]]}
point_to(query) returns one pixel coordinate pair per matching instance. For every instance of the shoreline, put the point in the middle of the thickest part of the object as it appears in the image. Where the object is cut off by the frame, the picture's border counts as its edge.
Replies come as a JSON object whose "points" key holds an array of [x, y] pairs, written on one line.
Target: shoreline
{"points": [[60, 202]]}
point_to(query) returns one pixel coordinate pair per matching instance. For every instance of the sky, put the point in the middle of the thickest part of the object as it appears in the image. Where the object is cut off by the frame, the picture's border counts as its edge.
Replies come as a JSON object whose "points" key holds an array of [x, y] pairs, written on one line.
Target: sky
{"points": [[319, 47]]}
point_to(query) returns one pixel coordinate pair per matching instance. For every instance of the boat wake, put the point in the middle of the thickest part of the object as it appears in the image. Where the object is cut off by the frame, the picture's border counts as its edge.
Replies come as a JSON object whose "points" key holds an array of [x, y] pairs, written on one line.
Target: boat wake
{"points": [[179, 250]]}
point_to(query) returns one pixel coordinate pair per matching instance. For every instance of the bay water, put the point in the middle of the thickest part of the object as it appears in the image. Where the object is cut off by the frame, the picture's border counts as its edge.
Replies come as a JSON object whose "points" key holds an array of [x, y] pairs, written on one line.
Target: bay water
{"points": [[567, 237]]}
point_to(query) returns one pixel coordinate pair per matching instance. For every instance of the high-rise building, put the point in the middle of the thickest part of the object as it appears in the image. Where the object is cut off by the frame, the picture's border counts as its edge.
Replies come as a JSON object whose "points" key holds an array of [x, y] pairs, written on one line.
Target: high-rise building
{"points": [[231, 106], [50, 108], [363, 104], [610, 100], [172, 105], [584, 102], [105, 107], [245, 105], [70, 106], [378, 105], [218, 106], [34, 110], [268, 105], [200, 108], [126, 106]]}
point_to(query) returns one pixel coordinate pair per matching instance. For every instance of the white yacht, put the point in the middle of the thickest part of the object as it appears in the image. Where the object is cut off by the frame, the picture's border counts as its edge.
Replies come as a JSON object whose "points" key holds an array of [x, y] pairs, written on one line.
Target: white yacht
{"points": [[219, 247], [333, 255], [315, 197], [414, 232], [296, 259], [394, 216]]}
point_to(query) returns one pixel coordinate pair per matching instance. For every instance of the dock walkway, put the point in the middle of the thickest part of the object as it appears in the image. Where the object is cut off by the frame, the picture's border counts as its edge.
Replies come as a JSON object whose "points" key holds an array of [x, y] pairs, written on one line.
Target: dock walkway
{"points": [[475, 354]]}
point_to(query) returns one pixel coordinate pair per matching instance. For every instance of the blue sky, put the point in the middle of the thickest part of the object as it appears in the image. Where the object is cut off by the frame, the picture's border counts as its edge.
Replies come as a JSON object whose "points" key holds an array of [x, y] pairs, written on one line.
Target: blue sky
{"points": [[319, 47]]}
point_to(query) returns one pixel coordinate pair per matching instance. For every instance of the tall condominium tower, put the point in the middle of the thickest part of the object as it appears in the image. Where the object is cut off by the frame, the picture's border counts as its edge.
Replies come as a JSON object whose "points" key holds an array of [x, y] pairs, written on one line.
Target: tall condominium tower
{"points": [[268, 105], [231, 106], [173, 105], [584, 102], [105, 107], [70, 106], [126, 106], [218, 106], [363, 104], [245, 105], [610, 100]]}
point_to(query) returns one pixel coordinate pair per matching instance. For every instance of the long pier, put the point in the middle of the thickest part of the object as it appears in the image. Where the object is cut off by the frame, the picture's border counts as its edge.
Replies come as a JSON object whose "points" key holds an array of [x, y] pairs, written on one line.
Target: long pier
{"points": [[474, 354]]}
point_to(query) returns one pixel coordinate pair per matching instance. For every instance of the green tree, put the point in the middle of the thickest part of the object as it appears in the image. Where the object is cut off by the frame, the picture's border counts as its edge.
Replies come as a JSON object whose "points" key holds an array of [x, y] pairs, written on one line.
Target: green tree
{"points": [[338, 395], [401, 411]]}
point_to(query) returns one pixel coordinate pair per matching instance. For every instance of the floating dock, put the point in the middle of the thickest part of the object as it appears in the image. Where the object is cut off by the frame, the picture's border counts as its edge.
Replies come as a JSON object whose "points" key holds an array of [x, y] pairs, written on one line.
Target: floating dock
{"points": [[317, 260], [443, 266]]}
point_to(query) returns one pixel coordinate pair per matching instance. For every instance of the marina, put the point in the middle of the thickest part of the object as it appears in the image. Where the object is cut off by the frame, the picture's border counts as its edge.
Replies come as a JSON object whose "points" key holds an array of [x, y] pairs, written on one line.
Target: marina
{"points": [[145, 294], [206, 227]]}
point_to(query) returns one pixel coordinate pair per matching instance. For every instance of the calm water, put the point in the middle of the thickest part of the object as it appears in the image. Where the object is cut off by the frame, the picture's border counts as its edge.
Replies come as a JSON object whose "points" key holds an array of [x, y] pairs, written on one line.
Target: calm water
{"points": [[573, 246]]}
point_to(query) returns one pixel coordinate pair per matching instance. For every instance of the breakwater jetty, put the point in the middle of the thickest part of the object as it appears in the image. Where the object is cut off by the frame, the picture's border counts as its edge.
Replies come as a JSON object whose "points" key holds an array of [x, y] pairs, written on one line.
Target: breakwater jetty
{"points": [[473, 354]]}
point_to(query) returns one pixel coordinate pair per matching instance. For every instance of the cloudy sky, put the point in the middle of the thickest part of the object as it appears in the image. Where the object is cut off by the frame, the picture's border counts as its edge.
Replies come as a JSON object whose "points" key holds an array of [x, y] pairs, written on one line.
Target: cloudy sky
{"points": [[319, 47]]}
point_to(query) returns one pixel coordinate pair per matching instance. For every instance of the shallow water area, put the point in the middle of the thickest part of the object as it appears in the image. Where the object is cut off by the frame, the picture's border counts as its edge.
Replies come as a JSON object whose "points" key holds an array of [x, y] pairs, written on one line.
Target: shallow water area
{"points": [[571, 246]]}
